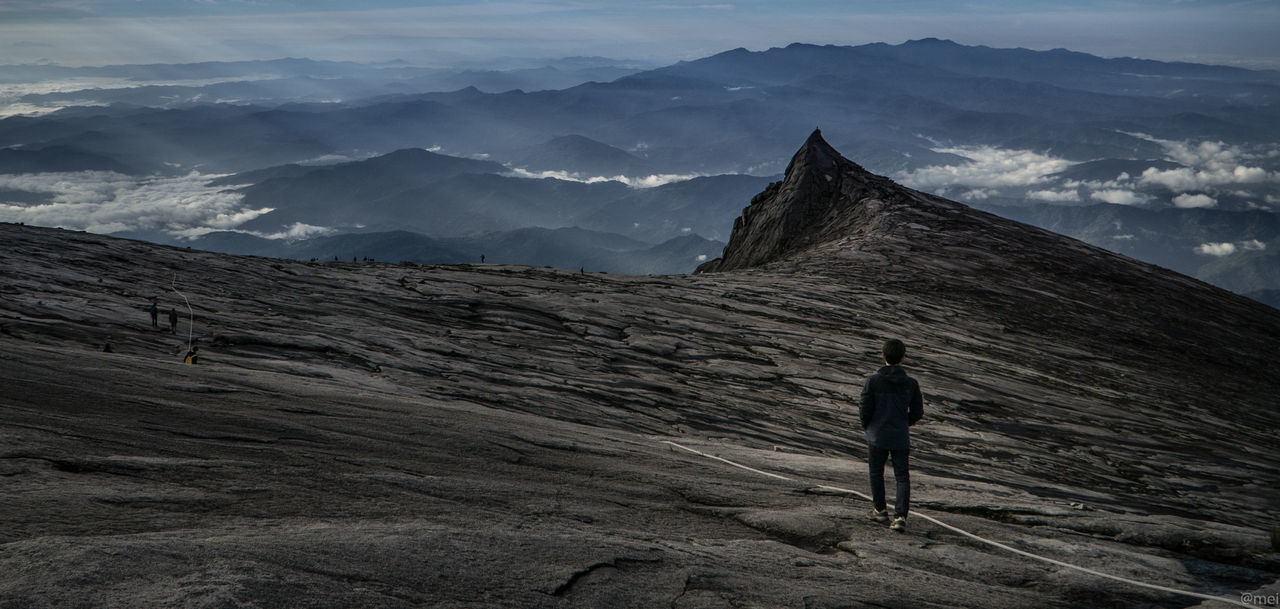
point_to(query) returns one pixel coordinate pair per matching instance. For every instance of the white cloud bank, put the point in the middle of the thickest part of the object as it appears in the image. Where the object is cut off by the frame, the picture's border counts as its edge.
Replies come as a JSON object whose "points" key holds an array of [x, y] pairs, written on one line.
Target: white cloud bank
{"points": [[1055, 196], [1208, 165], [1118, 196], [11, 93], [648, 181], [1187, 201], [989, 168], [1211, 170], [1216, 249], [1226, 249], [108, 202]]}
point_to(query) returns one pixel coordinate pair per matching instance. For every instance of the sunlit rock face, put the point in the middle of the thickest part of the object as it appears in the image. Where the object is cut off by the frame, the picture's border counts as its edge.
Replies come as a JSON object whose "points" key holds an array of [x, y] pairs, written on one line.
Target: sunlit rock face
{"points": [[378, 435]]}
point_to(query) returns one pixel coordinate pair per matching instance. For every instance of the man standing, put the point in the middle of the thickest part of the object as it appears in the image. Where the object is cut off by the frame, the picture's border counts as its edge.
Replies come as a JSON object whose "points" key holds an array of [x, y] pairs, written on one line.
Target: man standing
{"points": [[891, 402], [173, 321]]}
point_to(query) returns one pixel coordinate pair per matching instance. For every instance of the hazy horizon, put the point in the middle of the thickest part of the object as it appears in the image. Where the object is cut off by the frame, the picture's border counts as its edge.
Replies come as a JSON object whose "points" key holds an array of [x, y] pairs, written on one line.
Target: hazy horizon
{"points": [[499, 34]]}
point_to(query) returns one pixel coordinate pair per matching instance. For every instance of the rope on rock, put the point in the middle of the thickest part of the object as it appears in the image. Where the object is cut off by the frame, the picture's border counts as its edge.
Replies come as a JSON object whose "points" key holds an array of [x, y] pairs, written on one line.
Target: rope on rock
{"points": [[191, 324], [973, 536]]}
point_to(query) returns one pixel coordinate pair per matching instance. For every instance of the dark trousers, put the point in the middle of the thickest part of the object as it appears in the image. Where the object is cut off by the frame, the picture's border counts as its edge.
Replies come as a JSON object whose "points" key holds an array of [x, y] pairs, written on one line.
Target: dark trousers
{"points": [[901, 476]]}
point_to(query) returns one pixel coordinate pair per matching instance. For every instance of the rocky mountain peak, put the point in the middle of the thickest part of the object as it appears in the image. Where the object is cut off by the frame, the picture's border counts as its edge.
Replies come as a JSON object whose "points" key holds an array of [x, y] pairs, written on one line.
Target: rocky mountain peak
{"points": [[823, 197], [815, 155]]}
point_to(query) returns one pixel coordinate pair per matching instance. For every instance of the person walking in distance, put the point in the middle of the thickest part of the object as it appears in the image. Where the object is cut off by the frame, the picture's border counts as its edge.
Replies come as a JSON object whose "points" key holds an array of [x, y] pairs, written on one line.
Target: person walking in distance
{"points": [[173, 321], [155, 314], [891, 403]]}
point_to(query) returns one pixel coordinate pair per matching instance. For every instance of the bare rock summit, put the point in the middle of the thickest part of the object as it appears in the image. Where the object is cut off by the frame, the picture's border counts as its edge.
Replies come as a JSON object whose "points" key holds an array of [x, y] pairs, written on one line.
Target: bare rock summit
{"points": [[823, 196]]}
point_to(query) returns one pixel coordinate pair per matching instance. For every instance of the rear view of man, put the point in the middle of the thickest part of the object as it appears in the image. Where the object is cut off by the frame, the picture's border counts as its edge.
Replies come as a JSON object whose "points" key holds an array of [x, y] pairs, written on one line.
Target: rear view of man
{"points": [[891, 402]]}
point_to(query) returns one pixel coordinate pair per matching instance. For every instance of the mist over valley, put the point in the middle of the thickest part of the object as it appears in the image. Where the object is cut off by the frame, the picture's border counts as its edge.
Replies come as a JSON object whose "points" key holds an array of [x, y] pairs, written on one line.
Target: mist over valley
{"points": [[601, 145]]}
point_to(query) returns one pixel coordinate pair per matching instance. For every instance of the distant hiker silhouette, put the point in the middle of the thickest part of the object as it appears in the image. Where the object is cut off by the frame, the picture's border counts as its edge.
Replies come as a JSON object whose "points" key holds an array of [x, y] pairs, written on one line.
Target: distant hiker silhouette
{"points": [[173, 321], [155, 315], [890, 403], [481, 258], [192, 356], [106, 347]]}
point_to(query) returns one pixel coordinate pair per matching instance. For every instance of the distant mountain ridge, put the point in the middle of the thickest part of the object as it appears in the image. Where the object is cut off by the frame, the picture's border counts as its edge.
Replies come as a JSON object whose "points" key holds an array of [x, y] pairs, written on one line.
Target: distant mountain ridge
{"points": [[298, 80], [445, 196], [584, 157], [923, 112], [342, 196], [727, 112], [57, 159], [566, 248]]}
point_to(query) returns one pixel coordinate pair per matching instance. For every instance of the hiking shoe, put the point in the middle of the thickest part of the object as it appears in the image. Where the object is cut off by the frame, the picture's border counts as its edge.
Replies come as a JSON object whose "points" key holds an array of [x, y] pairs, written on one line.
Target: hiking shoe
{"points": [[878, 515], [899, 524]]}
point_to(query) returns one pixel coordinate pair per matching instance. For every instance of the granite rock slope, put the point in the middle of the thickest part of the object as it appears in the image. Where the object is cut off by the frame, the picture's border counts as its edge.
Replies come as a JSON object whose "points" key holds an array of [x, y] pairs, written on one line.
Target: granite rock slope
{"points": [[374, 435]]}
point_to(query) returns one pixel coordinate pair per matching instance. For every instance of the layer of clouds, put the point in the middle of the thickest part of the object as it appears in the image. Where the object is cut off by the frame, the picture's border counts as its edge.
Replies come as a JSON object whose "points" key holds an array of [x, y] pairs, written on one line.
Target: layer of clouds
{"points": [[978, 194], [1055, 196], [107, 202], [1188, 201], [1117, 196], [989, 168], [1227, 248], [11, 93], [297, 230], [649, 181], [1212, 170], [1216, 249], [1207, 165], [183, 207]]}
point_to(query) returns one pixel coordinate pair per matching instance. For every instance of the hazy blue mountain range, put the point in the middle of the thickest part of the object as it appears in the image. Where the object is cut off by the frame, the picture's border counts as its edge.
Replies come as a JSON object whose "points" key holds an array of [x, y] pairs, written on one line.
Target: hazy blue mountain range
{"points": [[444, 196], [315, 145], [57, 159], [737, 110], [291, 80], [586, 156], [569, 248]]}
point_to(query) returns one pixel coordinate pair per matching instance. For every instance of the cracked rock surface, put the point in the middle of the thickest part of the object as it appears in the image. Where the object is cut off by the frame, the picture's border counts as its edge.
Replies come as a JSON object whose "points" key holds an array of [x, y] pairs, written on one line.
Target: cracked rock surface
{"points": [[378, 435]]}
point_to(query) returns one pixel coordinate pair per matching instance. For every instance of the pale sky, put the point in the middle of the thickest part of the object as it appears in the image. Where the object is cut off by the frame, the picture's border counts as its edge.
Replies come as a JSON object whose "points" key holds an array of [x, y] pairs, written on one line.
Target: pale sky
{"points": [[451, 32]]}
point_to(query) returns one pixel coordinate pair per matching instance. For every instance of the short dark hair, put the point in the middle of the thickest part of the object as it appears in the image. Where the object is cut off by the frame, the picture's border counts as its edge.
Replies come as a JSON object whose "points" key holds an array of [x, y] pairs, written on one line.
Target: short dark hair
{"points": [[894, 351]]}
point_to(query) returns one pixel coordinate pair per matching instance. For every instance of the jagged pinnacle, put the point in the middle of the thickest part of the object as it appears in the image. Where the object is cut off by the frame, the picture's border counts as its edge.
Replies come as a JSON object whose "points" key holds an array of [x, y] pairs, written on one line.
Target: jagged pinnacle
{"points": [[816, 153], [816, 200]]}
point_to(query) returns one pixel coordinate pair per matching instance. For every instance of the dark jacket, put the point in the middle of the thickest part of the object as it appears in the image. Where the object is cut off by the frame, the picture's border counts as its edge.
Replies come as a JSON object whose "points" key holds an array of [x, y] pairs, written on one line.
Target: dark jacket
{"points": [[891, 402]]}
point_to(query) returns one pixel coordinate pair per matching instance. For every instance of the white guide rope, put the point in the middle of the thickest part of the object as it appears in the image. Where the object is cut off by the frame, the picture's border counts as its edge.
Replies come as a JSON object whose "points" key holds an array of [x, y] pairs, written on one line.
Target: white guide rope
{"points": [[990, 542], [191, 325]]}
